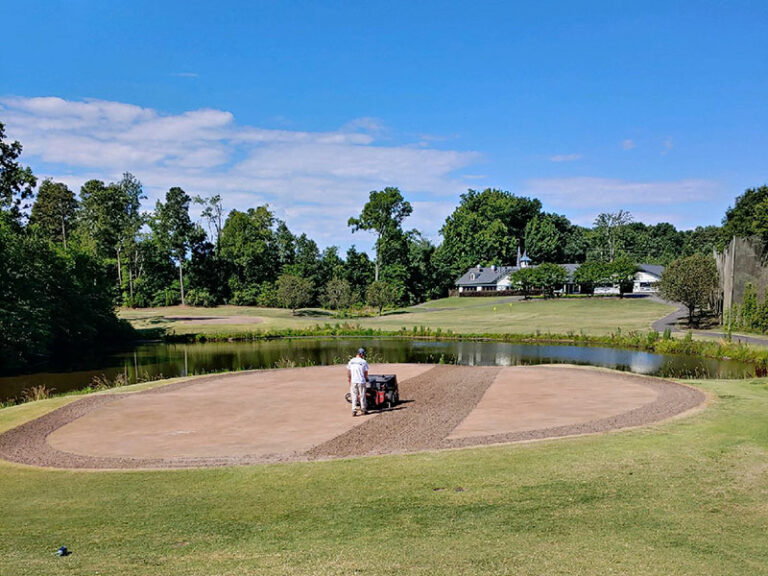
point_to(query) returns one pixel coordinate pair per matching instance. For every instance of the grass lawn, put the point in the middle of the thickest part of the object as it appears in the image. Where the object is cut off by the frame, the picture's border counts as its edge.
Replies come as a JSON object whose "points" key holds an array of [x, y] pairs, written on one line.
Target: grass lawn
{"points": [[683, 497], [594, 316]]}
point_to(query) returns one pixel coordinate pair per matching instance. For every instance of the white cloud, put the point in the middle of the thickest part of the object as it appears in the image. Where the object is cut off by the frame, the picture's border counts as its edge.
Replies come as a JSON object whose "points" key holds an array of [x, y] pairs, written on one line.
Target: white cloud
{"points": [[628, 144], [565, 157], [314, 180], [582, 198], [667, 146]]}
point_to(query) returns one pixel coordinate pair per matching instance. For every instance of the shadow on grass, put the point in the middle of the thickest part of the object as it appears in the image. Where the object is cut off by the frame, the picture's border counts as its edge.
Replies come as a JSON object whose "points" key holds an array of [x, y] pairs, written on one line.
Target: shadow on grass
{"points": [[396, 312], [314, 313], [155, 333]]}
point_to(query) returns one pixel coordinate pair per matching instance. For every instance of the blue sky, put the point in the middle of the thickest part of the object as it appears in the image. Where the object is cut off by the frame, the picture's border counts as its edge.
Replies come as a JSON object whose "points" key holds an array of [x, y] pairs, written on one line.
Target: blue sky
{"points": [[654, 107]]}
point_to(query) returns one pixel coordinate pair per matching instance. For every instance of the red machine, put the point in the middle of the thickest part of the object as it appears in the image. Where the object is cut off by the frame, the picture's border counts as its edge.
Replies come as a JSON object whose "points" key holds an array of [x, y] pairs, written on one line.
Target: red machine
{"points": [[381, 391]]}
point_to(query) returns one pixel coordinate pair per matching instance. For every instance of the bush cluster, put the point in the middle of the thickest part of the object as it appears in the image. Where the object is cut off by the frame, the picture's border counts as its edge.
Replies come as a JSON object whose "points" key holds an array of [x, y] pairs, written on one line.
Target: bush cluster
{"points": [[751, 315]]}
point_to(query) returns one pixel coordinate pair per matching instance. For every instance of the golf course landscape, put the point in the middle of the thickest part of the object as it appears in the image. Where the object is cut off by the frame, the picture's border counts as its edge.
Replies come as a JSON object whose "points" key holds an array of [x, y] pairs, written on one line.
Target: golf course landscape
{"points": [[383, 288], [491, 315], [681, 496]]}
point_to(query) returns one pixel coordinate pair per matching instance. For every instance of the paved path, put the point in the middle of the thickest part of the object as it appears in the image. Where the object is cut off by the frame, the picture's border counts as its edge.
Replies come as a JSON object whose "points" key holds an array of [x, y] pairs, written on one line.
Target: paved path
{"points": [[673, 319]]}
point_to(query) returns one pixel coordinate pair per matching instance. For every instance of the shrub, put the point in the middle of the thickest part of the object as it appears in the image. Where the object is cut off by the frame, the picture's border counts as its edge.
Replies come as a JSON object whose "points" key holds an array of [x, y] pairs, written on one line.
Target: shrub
{"points": [[267, 295], [40, 392], [248, 296], [201, 297], [167, 296]]}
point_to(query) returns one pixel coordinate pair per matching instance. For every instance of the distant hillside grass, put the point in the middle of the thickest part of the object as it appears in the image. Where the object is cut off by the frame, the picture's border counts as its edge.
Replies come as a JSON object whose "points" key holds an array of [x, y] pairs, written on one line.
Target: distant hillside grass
{"points": [[592, 316]]}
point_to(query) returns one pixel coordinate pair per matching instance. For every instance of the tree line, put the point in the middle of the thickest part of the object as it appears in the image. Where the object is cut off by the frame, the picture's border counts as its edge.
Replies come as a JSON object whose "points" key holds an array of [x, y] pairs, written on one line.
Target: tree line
{"points": [[67, 259]]}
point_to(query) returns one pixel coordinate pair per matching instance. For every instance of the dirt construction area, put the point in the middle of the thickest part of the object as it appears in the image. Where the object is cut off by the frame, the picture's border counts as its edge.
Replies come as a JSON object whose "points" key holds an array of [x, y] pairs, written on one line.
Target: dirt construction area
{"points": [[301, 414]]}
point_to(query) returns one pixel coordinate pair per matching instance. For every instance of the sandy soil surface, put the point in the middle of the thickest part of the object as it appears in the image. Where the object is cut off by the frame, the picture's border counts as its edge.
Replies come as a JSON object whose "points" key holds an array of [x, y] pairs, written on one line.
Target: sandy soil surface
{"points": [[198, 320], [300, 414]]}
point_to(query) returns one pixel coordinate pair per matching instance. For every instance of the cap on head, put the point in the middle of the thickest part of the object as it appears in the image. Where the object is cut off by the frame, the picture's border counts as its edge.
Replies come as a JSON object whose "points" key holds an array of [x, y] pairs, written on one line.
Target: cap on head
{"points": [[361, 352]]}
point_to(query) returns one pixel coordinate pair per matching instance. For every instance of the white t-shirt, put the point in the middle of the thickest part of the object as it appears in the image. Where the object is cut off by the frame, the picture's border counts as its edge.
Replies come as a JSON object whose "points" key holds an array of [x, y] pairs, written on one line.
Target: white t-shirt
{"points": [[357, 368]]}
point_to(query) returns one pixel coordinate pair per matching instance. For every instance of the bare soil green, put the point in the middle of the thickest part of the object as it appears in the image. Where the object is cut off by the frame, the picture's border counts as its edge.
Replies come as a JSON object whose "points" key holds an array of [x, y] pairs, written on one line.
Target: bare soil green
{"points": [[682, 497]]}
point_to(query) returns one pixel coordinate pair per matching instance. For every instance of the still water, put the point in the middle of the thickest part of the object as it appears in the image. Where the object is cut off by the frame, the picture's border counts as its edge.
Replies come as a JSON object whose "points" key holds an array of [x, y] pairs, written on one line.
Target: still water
{"points": [[152, 361]]}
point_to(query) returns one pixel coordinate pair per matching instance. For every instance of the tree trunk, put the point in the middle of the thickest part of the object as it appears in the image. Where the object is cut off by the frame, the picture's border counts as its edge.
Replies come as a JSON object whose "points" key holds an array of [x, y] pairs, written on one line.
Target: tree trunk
{"points": [[130, 282], [119, 272], [63, 234], [181, 282]]}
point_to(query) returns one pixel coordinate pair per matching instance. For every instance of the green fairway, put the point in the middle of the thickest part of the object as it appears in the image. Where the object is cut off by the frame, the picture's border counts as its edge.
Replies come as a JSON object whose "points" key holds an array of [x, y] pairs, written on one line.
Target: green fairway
{"points": [[593, 316], [683, 497]]}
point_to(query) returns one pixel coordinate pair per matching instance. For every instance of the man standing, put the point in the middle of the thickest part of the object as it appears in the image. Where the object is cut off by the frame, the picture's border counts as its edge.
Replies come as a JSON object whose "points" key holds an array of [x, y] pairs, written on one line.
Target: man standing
{"points": [[357, 376]]}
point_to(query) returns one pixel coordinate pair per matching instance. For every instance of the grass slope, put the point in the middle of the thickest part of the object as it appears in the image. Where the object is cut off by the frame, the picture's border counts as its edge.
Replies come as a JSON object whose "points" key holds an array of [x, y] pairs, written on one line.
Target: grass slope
{"points": [[684, 497], [594, 316]]}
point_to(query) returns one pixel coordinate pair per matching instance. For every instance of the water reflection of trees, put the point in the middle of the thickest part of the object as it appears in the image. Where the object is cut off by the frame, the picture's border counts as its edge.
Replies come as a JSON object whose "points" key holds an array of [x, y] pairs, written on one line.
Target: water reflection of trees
{"points": [[153, 361]]}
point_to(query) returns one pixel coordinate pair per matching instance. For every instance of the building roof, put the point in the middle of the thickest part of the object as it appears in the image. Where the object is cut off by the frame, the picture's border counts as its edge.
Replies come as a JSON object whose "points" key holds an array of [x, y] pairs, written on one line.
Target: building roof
{"points": [[570, 268], [654, 269], [484, 275], [490, 275]]}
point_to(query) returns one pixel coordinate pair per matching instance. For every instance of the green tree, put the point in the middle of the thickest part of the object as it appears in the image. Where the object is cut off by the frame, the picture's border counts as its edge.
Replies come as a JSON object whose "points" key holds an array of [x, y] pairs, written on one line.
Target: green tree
{"points": [[247, 249], [54, 211], [622, 270], [174, 228], [380, 294], [212, 213], [306, 262], [111, 217], [542, 239], [592, 273], [337, 294], [383, 214], [701, 240], [55, 303], [575, 244], [552, 238], [692, 281], [484, 229], [285, 245], [329, 266], [747, 217], [549, 278], [294, 291], [358, 271], [17, 183], [607, 238], [422, 280], [657, 244], [155, 274], [525, 280]]}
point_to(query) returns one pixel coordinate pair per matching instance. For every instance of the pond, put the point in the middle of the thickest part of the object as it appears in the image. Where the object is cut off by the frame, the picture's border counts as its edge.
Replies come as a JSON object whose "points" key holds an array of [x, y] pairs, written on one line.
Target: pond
{"points": [[153, 361]]}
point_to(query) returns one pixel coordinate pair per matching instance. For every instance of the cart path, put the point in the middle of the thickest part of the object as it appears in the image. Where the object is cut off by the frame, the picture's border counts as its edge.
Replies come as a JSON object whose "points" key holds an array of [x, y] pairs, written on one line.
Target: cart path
{"points": [[672, 321], [434, 403]]}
